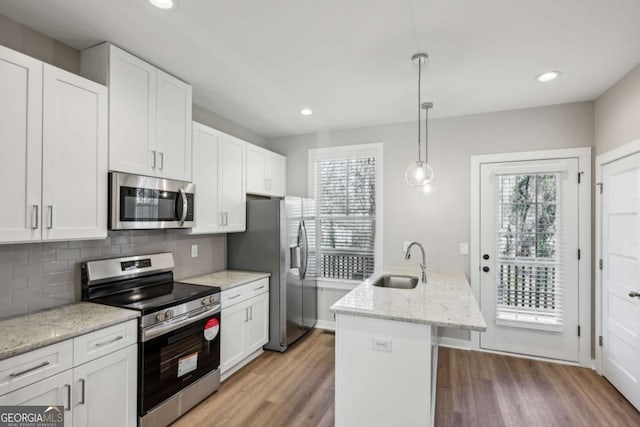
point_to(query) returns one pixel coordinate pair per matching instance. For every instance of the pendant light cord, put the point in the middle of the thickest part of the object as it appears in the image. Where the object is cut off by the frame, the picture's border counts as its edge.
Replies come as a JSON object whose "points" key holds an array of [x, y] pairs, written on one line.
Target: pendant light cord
{"points": [[426, 136], [419, 107]]}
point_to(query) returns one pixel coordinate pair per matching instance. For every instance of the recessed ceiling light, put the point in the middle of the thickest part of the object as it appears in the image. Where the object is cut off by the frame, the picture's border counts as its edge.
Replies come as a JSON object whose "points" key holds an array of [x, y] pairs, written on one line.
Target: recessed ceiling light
{"points": [[162, 4], [548, 76], [306, 112]]}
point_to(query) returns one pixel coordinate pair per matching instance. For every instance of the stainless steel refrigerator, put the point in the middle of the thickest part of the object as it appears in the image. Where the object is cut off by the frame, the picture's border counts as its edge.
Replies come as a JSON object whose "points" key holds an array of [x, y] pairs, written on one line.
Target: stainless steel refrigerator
{"points": [[281, 240]]}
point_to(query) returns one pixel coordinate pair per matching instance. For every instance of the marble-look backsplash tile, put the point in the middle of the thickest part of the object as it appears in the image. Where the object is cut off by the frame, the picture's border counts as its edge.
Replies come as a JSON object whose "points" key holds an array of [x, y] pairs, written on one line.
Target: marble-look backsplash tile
{"points": [[37, 276]]}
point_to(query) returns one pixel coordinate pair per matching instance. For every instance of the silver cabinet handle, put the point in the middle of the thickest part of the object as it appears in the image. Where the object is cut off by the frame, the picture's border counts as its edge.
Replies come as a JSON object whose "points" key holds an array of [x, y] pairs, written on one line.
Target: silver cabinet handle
{"points": [[102, 344], [185, 204], [250, 312], [50, 226], [82, 392], [258, 288], [153, 165], [35, 224], [634, 294], [226, 218], [26, 371], [246, 313], [161, 160], [234, 297], [68, 406]]}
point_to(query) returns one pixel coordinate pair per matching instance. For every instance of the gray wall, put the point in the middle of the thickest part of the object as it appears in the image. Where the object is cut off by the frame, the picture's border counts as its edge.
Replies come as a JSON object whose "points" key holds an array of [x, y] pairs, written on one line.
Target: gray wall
{"points": [[441, 221], [617, 113], [36, 276]]}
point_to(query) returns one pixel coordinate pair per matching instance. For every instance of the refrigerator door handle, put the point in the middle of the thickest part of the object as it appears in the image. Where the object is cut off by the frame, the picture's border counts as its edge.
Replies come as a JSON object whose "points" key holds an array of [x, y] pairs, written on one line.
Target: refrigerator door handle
{"points": [[294, 252], [305, 254]]}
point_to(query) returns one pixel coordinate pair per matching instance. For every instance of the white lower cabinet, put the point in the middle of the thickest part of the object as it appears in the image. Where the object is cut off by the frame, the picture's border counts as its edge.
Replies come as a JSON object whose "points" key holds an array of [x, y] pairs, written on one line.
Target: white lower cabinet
{"points": [[55, 390], [95, 390], [105, 390], [245, 324]]}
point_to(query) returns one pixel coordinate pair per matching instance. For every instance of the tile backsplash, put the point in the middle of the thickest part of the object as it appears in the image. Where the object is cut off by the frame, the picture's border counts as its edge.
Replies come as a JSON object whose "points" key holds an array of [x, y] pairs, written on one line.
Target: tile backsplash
{"points": [[36, 276]]}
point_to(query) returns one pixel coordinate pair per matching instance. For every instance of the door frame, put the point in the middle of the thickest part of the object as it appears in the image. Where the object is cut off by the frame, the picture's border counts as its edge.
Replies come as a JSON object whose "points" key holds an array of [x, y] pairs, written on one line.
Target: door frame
{"points": [[583, 154], [602, 160]]}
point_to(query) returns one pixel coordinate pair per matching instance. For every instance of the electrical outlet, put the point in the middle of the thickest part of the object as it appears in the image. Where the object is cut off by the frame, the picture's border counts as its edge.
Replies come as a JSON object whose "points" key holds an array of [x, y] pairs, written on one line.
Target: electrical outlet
{"points": [[464, 248], [405, 246], [194, 251]]}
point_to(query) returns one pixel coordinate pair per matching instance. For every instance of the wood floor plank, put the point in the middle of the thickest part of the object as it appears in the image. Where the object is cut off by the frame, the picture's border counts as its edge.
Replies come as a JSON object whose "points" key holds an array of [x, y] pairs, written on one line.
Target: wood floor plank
{"points": [[296, 389]]}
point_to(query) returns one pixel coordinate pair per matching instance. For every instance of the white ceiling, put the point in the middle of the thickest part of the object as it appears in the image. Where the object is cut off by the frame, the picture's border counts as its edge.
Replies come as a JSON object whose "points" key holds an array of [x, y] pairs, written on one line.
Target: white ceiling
{"points": [[258, 62]]}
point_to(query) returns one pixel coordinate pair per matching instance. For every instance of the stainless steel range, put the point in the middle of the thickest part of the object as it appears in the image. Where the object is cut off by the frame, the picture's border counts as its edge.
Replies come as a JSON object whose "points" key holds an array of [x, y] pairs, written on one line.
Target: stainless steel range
{"points": [[179, 349]]}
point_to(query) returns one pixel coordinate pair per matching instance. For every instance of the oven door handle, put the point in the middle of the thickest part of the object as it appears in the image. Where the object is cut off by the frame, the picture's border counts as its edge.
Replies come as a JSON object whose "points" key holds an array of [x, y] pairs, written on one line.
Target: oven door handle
{"points": [[155, 331]]}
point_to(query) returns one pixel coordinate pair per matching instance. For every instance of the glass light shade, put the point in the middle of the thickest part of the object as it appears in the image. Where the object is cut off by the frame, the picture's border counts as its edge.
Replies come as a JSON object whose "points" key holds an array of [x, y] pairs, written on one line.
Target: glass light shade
{"points": [[418, 173], [426, 189]]}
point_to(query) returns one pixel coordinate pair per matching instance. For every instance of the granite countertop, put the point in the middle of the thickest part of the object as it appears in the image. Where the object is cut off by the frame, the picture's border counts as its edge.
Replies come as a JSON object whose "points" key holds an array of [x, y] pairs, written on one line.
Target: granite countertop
{"points": [[226, 279], [25, 333], [446, 300]]}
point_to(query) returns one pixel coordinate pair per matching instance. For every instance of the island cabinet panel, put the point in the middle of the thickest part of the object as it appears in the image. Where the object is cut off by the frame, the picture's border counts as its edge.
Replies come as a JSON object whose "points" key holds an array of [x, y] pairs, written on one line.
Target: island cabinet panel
{"points": [[383, 372]]}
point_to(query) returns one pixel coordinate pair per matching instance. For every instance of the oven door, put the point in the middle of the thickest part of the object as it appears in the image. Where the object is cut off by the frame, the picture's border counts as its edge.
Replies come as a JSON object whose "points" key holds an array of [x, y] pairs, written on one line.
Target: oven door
{"points": [[175, 359], [142, 202]]}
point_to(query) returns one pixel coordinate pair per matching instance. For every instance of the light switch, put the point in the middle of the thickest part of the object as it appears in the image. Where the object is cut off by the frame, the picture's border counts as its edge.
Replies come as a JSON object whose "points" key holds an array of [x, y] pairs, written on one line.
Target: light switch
{"points": [[464, 248], [381, 344], [194, 251]]}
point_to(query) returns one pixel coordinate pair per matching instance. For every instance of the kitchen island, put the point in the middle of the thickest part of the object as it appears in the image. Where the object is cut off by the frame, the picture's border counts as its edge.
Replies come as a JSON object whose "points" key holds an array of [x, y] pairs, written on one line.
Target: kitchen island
{"points": [[387, 348]]}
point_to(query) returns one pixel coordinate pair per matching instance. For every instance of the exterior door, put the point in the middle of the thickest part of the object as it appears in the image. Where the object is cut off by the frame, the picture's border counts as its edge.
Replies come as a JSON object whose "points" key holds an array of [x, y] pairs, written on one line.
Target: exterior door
{"points": [[529, 257], [620, 274], [74, 145], [21, 140]]}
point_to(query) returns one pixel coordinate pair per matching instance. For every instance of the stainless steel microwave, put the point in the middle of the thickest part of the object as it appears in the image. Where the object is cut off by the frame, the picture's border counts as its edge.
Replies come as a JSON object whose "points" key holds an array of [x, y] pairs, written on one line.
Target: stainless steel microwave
{"points": [[139, 202]]}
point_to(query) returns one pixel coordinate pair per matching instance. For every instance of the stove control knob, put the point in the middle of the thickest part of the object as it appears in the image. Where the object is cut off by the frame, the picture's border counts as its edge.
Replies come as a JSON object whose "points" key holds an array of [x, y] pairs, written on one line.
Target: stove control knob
{"points": [[168, 314], [160, 317], [205, 301], [211, 299]]}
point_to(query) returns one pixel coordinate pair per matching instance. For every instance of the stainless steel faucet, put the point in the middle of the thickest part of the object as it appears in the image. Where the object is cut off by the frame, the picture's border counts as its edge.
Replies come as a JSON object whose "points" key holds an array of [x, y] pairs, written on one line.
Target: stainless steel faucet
{"points": [[423, 266]]}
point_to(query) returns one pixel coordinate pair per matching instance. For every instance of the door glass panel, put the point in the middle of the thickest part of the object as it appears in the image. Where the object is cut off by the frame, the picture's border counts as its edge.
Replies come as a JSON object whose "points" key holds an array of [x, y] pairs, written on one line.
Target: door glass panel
{"points": [[529, 275]]}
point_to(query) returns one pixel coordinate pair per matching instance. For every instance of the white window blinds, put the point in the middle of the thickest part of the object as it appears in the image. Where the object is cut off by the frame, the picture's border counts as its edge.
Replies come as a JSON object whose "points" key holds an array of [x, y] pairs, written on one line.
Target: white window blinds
{"points": [[529, 255], [346, 199]]}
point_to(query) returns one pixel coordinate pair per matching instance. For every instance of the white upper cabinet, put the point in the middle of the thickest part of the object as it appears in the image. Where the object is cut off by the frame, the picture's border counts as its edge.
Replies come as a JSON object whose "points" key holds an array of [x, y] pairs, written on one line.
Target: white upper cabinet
{"points": [[53, 128], [21, 141], [75, 150], [173, 133], [266, 172], [149, 114], [219, 176]]}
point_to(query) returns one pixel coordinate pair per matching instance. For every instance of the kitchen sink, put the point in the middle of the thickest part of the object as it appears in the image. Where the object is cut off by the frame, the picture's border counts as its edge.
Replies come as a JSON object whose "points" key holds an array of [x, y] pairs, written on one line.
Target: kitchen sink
{"points": [[396, 282]]}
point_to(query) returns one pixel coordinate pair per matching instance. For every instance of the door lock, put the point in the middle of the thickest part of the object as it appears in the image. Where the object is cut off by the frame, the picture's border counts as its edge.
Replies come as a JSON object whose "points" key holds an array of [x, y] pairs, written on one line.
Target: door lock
{"points": [[485, 256], [485, 269]]}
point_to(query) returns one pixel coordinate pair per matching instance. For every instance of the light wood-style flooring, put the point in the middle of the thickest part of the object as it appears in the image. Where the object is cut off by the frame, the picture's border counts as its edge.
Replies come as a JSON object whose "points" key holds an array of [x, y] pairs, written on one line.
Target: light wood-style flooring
{"points": [[474, 389]]}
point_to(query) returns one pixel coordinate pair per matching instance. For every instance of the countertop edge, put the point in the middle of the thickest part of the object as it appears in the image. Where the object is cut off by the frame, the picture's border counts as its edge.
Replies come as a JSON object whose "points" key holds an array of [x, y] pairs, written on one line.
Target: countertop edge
{"points": [[352, 312]]}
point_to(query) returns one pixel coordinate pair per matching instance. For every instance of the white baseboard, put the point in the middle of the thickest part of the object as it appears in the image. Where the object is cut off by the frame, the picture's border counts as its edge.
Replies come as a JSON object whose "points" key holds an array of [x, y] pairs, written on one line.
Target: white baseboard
{"points": [[454, 343], [326, 324], [241, 364]]}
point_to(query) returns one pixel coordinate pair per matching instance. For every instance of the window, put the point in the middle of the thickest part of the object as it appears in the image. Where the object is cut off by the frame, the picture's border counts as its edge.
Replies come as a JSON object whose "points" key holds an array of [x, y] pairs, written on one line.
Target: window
{"points": [[346, 183], [530, 279]]}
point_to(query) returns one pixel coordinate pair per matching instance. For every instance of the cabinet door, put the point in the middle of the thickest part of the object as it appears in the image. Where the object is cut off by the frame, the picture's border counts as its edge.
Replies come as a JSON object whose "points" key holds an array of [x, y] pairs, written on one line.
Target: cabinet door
{"points": [[276, 174], [206, 143], [173, 130], [258, 325], [55, 390], [105, 390], [75, 150], [256, 170], [232, 188], [232, 335], [21, 139], [132, 114]]}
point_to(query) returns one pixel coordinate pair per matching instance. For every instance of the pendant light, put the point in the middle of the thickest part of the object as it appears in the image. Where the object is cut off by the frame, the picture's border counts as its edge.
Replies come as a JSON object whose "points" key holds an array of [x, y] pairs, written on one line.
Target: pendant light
{"points": [[427, 186], [419, 173]]}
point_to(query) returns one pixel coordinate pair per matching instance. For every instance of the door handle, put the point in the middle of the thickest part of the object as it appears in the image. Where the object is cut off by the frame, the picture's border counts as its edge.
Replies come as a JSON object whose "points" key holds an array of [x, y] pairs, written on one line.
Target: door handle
{"points": [[68, 406], [226, 218], [485, 269], [634, 294], [50, 226], [161, 160], [250, 313], [35, 214], [485, 256], [18, 374], [153, 165], [220, 218], [185, 205], [82, 392]]}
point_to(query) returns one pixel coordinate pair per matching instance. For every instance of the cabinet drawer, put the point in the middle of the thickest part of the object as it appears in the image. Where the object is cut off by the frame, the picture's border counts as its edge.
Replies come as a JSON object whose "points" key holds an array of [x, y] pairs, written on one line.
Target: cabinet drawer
{"points": [[22, 370], [233, 296], [258, 287], [96, 344]]}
